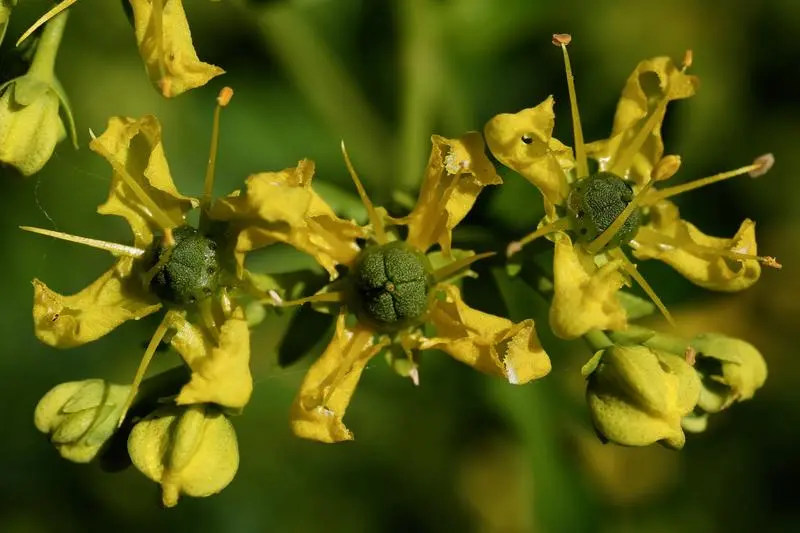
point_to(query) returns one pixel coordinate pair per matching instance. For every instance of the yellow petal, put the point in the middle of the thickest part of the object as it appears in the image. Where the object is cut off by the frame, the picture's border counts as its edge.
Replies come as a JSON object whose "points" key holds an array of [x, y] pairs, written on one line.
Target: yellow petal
{"points": [[221, 370], [136, 145], [489, 343], [329, 384], [524, 142], [282, 207], [187, 450], [457, 171], [170, 58], [696, 255], [652, 81], [68, 321], [585, 296]]}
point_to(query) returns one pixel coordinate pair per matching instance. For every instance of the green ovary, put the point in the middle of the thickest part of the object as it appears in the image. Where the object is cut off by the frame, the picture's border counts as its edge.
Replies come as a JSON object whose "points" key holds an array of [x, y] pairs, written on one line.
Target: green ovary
{"points": [[596, 201], [391, 284], [187, 272]]}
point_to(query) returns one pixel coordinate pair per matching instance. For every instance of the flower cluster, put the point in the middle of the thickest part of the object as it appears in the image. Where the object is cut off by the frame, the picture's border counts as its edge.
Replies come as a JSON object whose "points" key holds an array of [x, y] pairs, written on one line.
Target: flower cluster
{"points": [[30, 124], [393, 284]]}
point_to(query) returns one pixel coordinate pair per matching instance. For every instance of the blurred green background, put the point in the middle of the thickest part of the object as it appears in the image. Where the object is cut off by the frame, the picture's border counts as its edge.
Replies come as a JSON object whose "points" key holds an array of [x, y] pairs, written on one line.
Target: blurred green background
{"points": [[462, 452]]}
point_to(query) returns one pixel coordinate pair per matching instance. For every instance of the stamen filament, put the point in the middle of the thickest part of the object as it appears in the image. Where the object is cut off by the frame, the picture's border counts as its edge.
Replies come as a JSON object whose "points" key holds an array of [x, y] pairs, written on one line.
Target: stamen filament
{"points": [[675, 190], [604, 238], [223, 99], [620, 165], [450, 270], [374, 218], [55, 10], [112, 247], [274, 299], [633, 272], [157, 215], [558, 225], [207, 316], [582, 164], [659, 238], [155, 340]]}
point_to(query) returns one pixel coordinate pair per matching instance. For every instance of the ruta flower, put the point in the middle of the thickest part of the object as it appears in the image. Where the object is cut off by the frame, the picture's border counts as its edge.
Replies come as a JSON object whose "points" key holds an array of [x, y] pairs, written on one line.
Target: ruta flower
{"points": [[390, 287], [591, 215], [164, 41]]}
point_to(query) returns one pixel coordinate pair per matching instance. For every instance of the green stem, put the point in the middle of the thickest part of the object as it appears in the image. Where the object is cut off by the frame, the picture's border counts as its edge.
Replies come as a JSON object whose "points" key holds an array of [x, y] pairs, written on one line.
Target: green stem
{"points": [[597, 340], [656, 340], [44, 60]]}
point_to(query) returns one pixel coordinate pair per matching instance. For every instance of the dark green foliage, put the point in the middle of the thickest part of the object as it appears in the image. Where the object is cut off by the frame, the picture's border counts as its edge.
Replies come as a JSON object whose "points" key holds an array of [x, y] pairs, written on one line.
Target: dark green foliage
{"points": [[391, 284], [596, 201], [189, 271]]}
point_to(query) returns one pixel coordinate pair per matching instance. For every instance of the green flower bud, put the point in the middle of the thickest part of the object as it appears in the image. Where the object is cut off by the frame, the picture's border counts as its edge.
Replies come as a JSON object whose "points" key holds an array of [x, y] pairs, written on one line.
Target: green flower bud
{"points": [[731, 370], [188, 271], [187, 449], [637, 396], [30, 125], [596, 201], [391, 285], [81, 416]]}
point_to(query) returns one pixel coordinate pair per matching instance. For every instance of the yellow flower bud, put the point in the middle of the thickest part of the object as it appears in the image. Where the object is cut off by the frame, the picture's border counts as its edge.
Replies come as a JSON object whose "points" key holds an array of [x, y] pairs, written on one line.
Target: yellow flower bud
{"points": [[637, 396], [190, 450], [80, 416], [731, 370]]}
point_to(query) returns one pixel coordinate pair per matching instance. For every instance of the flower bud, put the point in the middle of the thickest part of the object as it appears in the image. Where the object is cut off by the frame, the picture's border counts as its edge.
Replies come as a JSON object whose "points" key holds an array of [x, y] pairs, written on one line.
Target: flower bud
{"points": [[637, 396], [80, 416], [190, 450], [731, 370]]}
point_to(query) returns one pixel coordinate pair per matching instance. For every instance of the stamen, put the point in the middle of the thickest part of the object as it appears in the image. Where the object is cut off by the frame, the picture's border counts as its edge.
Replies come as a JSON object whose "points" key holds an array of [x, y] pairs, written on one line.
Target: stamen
{"points": [[207, 315], [620, 165], [374, 218], [582, 164], [766, 161], [169, 244], [699, 249], [669, 192], [155, 340], [112, 247], [558, 225], [276, 300], [604, 238], [157, 215], [633, 272], [450, 270], [55, 10], [223, 99]]}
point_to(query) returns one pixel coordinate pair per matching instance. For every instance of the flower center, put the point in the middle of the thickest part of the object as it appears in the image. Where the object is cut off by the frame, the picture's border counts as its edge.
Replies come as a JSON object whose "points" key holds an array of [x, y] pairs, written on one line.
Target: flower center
{"points": [[187, 271], [594, 204], [390, 285]]}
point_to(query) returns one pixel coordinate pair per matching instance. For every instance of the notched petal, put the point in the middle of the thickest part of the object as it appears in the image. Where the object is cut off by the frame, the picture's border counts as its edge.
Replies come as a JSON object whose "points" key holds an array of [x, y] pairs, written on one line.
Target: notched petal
{"points": [[457, 171], [524, 142], [136, 146], [329, 384], [695, 255], [282, 207], [220, 370], [585, 296], [170, 58], [489, 343], [68, 321]]}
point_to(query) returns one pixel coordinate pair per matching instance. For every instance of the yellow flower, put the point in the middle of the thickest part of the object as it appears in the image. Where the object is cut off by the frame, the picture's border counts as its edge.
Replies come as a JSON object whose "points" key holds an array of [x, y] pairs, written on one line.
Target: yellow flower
{"points": [[187, 450], [164, 41], [595, 214], [171, 265], [393, 289], [165, 44], [638, 396], [81, 416], [30, 125]]}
